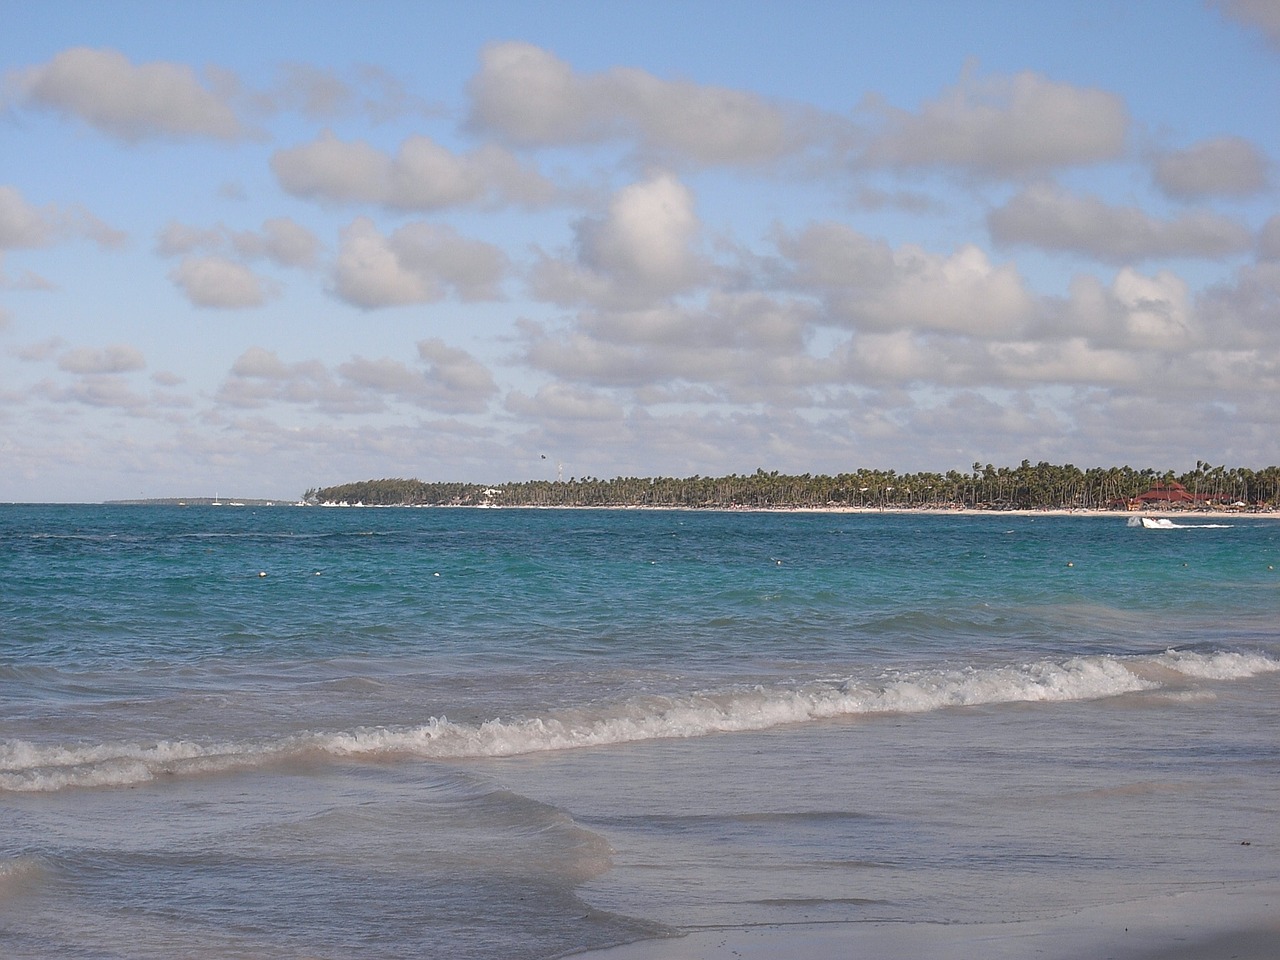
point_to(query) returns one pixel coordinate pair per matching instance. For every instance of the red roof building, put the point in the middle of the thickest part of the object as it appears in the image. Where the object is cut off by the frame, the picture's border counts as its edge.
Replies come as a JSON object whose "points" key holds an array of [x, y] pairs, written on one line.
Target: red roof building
{"points": [[1173, 492]]}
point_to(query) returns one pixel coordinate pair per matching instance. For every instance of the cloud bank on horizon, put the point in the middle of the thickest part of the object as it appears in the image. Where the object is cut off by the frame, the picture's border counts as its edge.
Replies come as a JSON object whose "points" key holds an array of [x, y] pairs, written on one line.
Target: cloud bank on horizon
{"points": [[257, 251]]}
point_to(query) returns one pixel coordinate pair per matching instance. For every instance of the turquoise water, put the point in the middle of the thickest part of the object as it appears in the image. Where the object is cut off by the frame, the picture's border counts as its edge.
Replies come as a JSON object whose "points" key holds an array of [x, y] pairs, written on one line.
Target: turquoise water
{"points": [[286, 732]]}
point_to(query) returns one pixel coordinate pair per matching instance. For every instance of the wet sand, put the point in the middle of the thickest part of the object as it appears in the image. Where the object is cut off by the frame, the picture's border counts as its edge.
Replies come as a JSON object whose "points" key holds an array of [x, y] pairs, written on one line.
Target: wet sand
{"points": [[1238, 925]]}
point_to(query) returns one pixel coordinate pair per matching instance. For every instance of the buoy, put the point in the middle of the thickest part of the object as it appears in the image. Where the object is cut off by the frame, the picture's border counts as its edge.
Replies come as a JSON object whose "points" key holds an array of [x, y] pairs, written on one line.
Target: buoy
{"points": [[1070, 564], [262, 573]]}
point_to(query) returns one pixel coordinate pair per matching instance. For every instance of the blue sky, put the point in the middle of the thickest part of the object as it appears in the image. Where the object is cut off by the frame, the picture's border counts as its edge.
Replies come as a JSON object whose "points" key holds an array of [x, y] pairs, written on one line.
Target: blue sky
{"points": [[251, 248]]}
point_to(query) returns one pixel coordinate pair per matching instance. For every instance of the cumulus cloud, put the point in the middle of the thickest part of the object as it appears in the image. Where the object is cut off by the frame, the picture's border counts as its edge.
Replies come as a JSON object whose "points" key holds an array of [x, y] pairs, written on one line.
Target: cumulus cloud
{"points": [[259, 377], [1003, 127], [418, 263], [22, 225], [641, 250], [25, 225], [130, 102], [1045, 216], [24, 281], [867, 285], [102, 391], [281, 240], [1269, 239], [1137, 312], [530, 97], [455, 370], [1242, 311], [1262, 15], [745, 347], [320, 94], [117, 358], [451, 381], [1225, 167], [217, 282], [560, 403], [447, 380], [422, 175]]}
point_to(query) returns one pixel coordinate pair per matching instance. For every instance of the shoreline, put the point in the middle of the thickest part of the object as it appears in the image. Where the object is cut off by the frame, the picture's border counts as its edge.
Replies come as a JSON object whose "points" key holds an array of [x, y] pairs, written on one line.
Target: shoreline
{"points": [[1172, 514], [1243, 924]]}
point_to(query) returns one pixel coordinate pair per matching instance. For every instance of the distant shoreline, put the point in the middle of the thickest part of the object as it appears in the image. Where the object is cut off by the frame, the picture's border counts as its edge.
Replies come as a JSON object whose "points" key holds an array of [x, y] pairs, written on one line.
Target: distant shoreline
{"points": [[1169, 513]]}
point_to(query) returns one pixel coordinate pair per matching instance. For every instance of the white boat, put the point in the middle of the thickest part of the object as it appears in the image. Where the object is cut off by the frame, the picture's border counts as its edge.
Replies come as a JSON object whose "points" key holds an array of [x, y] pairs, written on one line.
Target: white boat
{"points": [[1158, 523]]}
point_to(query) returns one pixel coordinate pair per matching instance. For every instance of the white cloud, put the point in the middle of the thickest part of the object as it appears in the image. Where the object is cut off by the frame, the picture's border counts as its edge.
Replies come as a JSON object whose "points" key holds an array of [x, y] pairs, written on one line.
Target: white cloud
{"points": [[258, 377], [221, 283], [23, 225], [559, 403], [320, 94], [27, 280], [744, 347], [1152, 314], [455, 371], [116, 358], [869, 286], [180, 238], [449, 380], [422, 175], [1047, 217], [105, 90], [1224, 167], [259, 363], [418, 263], [452, 380], [103, 391], [1269, 239], [39, 351], [1264, 15], [530, 97], [281, 240], [641, 250], [1241, 312], [1004, 127]]}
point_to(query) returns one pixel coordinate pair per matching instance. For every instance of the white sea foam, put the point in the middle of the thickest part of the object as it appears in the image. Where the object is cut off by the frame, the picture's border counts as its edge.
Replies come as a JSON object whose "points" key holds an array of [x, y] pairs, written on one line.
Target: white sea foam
{"points": [[31, 767], [1217, 666]]}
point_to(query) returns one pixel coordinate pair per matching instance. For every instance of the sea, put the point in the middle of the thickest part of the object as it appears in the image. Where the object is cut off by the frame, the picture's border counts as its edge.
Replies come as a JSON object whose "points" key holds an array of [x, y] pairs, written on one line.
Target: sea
{"points": [[277, 733]]}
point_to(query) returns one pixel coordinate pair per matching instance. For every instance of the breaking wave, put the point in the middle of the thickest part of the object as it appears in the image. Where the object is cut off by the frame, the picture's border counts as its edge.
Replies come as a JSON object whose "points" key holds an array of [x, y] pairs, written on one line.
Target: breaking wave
{"points": [[26, 766]]}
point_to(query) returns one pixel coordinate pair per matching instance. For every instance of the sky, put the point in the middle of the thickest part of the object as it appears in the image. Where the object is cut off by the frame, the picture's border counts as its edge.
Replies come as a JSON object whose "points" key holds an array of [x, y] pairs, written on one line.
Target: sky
{"points": [[251, 248]]}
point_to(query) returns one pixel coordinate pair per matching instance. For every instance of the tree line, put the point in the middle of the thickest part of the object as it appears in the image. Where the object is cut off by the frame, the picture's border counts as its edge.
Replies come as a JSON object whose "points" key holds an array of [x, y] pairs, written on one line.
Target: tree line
{"points": [[1024, 487]]}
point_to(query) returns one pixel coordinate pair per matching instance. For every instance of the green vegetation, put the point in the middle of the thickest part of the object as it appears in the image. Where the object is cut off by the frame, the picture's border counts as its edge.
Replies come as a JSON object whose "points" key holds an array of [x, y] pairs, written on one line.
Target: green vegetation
{"points": [[1025, 487]]}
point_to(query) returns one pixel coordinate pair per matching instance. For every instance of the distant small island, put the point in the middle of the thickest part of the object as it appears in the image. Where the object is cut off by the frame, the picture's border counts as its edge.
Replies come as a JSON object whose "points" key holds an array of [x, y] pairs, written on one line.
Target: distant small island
{"points": [[197, 502], [1041, 486]]}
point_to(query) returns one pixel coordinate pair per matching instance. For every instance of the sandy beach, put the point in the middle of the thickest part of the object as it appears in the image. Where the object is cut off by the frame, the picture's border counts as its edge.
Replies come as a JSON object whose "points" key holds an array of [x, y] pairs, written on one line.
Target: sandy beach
{"points": [[1238, 925], [1194, 516]]}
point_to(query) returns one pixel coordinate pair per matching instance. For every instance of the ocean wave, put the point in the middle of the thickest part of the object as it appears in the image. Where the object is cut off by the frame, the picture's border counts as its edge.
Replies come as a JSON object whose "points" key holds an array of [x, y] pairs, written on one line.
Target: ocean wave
{"points": [[18, 874], [26, 766]]}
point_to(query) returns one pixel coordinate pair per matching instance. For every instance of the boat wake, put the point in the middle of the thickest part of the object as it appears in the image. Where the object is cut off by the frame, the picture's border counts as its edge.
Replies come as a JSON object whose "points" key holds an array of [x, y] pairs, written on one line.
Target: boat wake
{"points": [[1164, 523]]}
